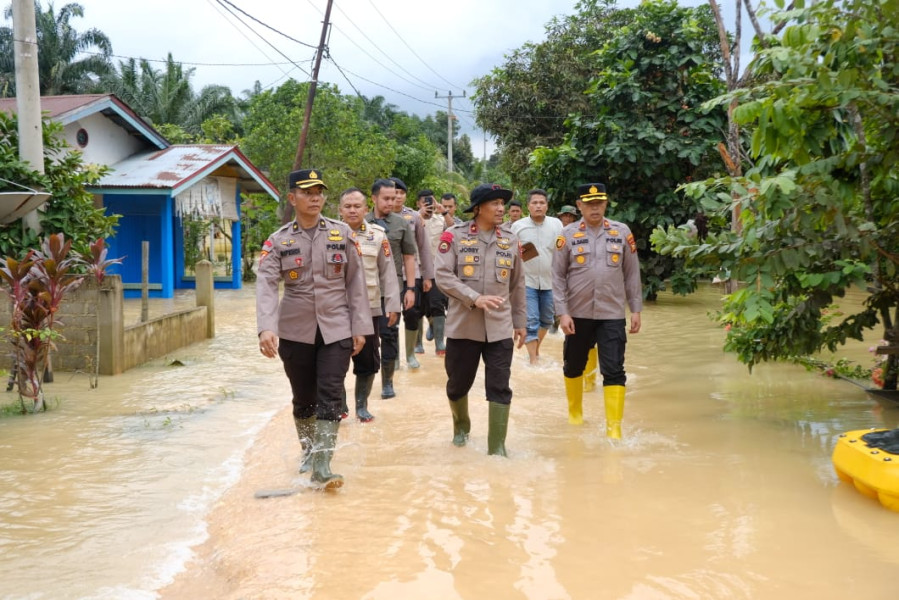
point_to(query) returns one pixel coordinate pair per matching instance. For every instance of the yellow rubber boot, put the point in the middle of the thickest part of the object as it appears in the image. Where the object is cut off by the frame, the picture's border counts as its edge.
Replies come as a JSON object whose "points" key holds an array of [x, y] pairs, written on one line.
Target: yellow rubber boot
{"points": [[590, 371], [614, 399], [574, 390]]}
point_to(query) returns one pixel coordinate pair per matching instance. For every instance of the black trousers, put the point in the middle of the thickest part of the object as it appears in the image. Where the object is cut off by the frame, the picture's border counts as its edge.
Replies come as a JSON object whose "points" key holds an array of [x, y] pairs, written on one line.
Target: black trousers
{"points": [[611, 337], [434, 302], [316, 373], [412, 317], [368, 361], [462, 360]]}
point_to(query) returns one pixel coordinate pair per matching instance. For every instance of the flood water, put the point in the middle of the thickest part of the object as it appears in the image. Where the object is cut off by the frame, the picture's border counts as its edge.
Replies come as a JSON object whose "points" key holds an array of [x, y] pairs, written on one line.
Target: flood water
{"points": [[721, 488]]}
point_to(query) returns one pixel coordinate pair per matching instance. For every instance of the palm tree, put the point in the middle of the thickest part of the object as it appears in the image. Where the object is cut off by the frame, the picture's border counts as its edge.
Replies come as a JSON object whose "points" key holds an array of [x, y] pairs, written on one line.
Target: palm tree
{"points": [[61, 71], [165, 96]]}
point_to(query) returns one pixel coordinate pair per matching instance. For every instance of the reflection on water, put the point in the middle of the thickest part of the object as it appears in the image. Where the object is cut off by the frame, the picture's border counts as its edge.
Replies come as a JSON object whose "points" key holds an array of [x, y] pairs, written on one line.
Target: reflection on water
{"points": [[721, 488]]}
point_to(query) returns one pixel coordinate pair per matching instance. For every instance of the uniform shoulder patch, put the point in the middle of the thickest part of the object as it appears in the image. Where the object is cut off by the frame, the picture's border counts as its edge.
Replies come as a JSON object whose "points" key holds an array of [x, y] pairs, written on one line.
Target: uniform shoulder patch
{"points": [[560, 242], [385, 247], [446, 239], [631, 242]]}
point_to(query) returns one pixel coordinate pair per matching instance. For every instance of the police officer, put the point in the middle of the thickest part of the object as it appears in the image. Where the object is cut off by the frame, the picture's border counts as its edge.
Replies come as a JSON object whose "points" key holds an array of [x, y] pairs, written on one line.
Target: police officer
{"points": [[424, 271], [402, 248], [383, 291], [433, 302], [320, 321], [596, 272], [479, 268]]}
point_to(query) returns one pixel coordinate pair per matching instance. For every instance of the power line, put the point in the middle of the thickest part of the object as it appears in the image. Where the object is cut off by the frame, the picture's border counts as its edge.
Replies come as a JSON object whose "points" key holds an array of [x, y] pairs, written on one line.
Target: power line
{"points": [[411, 49], [267, 26], [381, 85], [272, 46]]}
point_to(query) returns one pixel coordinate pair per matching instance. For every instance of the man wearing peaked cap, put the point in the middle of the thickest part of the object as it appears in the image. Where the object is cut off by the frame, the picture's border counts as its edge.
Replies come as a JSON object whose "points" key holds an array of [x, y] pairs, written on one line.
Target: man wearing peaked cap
{"points": [[479, 269], [596, 278], [319, 322]]}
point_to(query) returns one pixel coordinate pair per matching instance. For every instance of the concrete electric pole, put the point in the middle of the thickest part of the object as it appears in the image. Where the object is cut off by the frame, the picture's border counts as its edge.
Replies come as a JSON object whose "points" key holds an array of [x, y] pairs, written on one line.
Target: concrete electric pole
{"points": [[449, 128], [28, 92]]}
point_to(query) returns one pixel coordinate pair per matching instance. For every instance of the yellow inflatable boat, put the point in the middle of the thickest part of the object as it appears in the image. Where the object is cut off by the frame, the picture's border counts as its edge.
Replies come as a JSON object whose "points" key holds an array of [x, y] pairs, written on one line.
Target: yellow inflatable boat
{"points": [[869, 460]]}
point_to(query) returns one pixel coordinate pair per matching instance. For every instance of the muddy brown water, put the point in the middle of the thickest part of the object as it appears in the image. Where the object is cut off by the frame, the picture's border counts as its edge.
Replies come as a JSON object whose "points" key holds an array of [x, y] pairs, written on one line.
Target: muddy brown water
{"points": [[721, 488]]}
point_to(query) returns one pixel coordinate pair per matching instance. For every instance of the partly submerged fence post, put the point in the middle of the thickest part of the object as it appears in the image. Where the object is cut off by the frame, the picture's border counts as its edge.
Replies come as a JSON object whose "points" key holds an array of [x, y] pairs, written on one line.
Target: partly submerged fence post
{"points": [[206, 293]]}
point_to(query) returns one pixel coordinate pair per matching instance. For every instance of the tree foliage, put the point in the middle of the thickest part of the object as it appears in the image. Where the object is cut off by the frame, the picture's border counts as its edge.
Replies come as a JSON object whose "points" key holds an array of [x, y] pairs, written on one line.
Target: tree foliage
{"points": [[818, 206], [69, 61], [644, 130], [525, 101], [70, 209]]}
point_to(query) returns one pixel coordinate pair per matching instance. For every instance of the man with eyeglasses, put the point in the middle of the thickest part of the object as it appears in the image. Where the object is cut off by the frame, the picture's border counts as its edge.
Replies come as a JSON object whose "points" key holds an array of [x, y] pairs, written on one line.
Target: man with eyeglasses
{"points": [[319, 322]]}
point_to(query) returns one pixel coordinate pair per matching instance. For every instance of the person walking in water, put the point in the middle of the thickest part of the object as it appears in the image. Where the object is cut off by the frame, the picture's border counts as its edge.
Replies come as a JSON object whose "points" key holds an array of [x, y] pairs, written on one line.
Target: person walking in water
{"points": [[383, 291], [319, 322], [596, 274], [479, 268]]}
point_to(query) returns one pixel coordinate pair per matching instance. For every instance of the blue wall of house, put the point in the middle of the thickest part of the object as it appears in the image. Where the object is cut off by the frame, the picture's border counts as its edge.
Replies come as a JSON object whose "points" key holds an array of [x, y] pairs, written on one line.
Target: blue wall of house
{"points": [[145, 217]]}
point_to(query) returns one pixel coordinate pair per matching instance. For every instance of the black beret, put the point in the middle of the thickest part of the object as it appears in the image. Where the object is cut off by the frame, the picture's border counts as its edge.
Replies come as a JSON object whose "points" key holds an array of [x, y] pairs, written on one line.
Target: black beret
{"points": [[399, 184]]}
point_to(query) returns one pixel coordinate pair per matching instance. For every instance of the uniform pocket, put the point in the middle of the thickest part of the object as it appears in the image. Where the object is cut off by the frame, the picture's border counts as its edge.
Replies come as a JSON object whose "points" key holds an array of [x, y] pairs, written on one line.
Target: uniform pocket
{"points": [[580, 255], [503, 268], [614, 253], [335, 264]]}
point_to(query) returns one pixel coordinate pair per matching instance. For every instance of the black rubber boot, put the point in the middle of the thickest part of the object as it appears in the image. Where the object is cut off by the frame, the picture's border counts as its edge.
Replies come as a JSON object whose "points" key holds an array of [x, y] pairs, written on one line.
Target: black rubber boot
{"points": [[461, 421], [322, 452], [387, 369], [363, 389]]}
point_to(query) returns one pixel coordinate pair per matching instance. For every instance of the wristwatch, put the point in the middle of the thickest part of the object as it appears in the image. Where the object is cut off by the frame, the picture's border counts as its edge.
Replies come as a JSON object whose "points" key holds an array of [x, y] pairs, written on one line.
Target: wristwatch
{"points": [[409, 289]]}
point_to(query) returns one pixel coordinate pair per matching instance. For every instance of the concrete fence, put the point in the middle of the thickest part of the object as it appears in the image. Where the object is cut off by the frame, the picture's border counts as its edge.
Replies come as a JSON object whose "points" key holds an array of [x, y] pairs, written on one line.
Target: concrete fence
{"points": [[90, 313]]}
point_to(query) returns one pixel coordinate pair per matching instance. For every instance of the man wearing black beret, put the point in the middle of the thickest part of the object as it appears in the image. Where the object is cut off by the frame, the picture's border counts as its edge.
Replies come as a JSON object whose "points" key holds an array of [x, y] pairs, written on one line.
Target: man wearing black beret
{"points": [[479, 268]]}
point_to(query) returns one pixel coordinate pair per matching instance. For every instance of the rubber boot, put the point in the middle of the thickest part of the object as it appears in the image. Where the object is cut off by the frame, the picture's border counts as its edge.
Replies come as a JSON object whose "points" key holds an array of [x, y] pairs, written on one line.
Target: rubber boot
{"points": [[590, 370], [419, 348], [430, 332], [305, 433], [387, 369], [363, 389], [497, 426], [461, 421], [439, 324], [410, 348], [344, 410], [614, 399], [322, 452], [574, 390]]}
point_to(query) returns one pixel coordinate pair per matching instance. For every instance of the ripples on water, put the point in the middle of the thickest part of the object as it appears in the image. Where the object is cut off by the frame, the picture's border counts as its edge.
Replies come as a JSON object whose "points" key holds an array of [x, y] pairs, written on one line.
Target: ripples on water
{"points": [[719, 483]]}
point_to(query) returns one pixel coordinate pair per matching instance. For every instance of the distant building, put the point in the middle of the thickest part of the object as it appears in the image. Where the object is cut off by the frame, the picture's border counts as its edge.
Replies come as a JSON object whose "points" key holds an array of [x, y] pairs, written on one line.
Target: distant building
{"points": [[182, 199]]}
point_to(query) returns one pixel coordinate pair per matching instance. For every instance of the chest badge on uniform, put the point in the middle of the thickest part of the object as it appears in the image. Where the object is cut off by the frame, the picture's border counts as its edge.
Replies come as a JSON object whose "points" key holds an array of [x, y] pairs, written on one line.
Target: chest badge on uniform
{"points": [[334, 235], [581, 260], [288, 242], [503, 243], [293, 274], [560, 242], [299, 261], [616, 258], [580, 249], [504, 273], [468, 270], [338, 258], [472, 258], [613, 232], [579, 234]]}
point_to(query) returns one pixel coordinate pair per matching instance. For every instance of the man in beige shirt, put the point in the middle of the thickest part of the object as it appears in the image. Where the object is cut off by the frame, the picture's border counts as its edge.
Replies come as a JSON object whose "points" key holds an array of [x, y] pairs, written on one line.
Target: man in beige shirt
{"points": [[383, 291], [479, 268], [320, 321]]}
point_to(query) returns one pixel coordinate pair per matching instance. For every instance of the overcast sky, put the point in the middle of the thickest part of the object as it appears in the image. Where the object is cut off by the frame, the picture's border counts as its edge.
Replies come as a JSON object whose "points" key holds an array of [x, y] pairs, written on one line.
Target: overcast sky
{"points": [[404, 50]]}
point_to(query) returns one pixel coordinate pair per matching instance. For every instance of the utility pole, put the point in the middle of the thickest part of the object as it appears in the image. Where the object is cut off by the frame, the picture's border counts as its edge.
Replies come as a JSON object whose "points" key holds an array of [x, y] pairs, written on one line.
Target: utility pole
{"points": [[307, 114], [449, 128], [28, 93]]}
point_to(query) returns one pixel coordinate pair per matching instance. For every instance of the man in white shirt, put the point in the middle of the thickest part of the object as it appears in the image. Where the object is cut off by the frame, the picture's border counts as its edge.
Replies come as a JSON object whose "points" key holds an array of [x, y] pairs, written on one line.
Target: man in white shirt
{"points": [[537, 233]]}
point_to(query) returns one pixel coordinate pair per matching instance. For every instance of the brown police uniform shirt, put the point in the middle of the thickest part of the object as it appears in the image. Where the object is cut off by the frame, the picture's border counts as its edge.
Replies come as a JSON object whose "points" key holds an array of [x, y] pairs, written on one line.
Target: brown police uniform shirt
{"points": [[424, 267], [596, 272], [402, 242], [324, 284], [472, 263], [380, 273]]}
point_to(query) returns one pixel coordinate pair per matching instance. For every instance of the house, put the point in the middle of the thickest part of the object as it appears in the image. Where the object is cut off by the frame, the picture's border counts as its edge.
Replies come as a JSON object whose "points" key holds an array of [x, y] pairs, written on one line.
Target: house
{"points": [[184, 200]]}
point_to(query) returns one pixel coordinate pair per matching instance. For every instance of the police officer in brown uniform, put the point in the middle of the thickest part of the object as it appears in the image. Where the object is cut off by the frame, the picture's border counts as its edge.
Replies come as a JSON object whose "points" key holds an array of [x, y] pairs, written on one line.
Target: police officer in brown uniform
{"points": [[383, 291], [596, 273], [320, 321], [479, 268]]}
